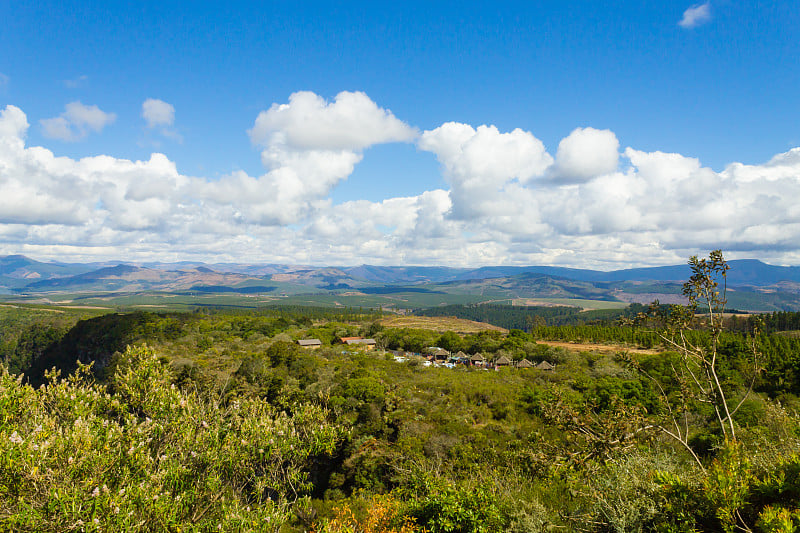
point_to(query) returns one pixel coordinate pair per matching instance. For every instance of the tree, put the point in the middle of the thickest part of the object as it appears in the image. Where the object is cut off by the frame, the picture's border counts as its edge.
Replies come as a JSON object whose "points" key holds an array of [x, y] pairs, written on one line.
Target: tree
{"points": [[695, 374], [450, 341]]}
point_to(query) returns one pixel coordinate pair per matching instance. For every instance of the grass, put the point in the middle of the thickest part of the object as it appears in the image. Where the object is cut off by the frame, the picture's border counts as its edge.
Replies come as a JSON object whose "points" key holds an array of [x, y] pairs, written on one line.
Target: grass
{"points": [[586, 305], [439, 324], [184, 302]]}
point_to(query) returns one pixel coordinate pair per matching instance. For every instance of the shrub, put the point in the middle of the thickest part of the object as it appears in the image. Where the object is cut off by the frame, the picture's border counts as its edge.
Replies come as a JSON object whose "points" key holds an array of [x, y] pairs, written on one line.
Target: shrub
{"points": [[74, 456]]}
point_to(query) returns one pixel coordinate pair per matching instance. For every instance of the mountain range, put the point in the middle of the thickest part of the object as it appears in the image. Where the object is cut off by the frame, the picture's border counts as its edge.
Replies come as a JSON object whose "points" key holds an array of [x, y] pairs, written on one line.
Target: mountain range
{"points": [[752, 282]]}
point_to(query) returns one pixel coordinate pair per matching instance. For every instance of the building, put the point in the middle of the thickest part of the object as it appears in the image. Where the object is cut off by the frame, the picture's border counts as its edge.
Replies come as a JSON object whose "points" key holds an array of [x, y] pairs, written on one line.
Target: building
{"points": [[369, 344], [477, 359], [544, 365], [502, 361], [309, 343]]}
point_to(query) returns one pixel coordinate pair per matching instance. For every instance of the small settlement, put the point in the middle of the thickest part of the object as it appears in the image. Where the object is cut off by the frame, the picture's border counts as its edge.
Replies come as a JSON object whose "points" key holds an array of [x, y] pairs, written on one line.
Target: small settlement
{"points": [[435, 356], [368, 344]]}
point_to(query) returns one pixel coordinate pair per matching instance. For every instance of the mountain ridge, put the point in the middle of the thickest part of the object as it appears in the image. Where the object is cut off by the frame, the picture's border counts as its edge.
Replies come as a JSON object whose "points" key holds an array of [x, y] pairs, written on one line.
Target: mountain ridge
{"points": [[753, 284], [743, 271]]}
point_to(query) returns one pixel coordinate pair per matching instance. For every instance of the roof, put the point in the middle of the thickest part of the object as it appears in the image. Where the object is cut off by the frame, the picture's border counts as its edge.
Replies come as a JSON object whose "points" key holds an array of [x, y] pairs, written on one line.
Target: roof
{"points": [[503, 360], [544, 365], [358, 340], [345, 339], [477, 357], [309, 342], [524, 364]]}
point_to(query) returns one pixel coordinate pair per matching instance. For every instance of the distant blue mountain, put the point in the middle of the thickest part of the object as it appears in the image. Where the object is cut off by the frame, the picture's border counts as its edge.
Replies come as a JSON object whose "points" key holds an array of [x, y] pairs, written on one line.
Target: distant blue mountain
{"points": [[84, 278], [18, 271], [742, 272], [398, 274]]}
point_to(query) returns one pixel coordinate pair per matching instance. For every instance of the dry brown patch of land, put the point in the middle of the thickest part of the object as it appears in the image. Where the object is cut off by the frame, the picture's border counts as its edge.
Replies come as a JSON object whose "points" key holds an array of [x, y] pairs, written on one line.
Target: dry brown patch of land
{"points": [[35, 308], [591, 347], [83, 307], [439, 323], [532, 302]]}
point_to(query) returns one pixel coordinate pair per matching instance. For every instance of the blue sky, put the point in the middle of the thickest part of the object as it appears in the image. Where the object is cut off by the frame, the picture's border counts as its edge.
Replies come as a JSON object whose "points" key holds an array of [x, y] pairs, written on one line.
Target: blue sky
{"points": [[715, 84]]}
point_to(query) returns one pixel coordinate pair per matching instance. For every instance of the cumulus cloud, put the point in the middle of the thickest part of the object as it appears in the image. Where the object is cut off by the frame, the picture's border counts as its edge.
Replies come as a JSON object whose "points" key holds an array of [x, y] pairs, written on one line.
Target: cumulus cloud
{"points": [[586, 153], [481, 163], [158, 113], [508, 201], [13, 124], [695, 16], [308, 122], [160, 116], [309, 145], [75, 123]]}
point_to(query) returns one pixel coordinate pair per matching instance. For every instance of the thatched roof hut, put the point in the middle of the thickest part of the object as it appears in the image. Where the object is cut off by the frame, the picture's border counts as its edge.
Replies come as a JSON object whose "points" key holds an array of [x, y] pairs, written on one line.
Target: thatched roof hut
{"points": [[477, 359], [544, 365], [503, 361], [524, 364], [441, 354]]}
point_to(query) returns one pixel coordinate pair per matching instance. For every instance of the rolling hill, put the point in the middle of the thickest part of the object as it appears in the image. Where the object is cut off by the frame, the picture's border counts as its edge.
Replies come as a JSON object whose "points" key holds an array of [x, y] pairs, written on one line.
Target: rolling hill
{"points": [[753, 285]]}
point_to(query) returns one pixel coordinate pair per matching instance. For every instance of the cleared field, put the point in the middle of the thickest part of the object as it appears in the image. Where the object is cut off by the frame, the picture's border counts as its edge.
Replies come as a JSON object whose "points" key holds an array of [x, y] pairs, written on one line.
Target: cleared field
{"points": [[591, 347], [586, 305], [439, 323]]}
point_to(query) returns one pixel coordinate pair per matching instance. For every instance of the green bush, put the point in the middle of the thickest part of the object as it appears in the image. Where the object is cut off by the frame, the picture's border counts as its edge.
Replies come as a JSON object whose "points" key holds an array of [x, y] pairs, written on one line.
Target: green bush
{"points": [[150, 456]]}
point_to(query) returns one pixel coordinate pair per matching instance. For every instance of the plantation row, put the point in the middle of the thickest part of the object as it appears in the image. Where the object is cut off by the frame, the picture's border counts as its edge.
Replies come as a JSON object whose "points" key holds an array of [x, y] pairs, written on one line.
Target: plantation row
{"points": [[525, 317]]}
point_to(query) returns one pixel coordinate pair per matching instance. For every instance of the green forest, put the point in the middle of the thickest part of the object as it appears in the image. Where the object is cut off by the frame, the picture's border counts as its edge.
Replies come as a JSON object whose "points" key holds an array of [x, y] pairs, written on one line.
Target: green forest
{"points": [[216, 420]]}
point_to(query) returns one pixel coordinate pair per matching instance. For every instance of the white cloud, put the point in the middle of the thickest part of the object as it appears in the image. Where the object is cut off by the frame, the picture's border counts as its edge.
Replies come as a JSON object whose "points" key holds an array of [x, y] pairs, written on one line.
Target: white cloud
{"points": [[480, 164], [695, 16], [88, 116], [309, 145], [77, 82], [59, 128], [75, 123], [501, 206], [351, 122], [13, 124], [158, 113], [586, 153]]}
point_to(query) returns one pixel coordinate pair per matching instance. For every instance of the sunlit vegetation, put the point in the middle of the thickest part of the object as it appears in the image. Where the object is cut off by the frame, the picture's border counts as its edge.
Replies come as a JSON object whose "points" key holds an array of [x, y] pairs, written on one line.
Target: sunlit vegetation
{"points": [[524, 317], [218, 420]]}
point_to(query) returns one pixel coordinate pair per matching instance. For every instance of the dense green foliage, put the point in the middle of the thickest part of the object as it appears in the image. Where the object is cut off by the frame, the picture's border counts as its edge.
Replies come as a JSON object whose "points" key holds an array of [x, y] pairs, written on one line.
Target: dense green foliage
{"points": [[143, 455], [770, 322], [26, 332], [526, 317], [235, 425]]}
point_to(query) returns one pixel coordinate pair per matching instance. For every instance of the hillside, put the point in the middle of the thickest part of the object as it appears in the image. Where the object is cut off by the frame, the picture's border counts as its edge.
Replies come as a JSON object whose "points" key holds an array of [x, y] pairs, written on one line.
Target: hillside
{"points": [[753, 285], [128, 278], [226, 414]]}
